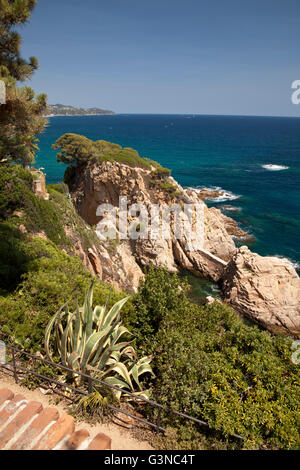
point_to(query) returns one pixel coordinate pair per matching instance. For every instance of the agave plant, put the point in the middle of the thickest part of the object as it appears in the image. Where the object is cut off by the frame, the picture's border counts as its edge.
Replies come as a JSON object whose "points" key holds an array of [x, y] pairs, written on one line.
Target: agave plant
{"points": [[90, 340]]}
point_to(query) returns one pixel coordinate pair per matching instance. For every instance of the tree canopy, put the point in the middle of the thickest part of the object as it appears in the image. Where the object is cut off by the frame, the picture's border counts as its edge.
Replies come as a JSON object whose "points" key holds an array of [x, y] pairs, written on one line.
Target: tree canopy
{"points": [[78, 150], [75, 149], [21, 116]]}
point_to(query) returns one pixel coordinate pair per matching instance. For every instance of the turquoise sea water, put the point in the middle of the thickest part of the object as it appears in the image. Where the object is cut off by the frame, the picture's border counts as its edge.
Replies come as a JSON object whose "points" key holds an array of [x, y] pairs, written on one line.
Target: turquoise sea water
{"points": [[212, 151]]}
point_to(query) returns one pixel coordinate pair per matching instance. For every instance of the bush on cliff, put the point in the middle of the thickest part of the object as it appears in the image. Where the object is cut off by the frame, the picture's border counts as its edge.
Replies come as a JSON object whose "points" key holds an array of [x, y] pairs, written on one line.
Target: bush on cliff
{"points": [[14, 183], [79, 150], [211, 365], [36, 214]]}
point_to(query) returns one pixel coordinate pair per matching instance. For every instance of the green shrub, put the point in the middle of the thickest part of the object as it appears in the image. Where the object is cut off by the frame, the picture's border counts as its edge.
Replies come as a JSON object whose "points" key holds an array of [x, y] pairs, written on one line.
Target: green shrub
{"points": [[32, 381], [164, 184], [157, 295], [68, 217], [14, 256], [51, 278], [61, 188], [161, 173], [78, 150], [14, 184], [39, 215], [212, 365]]}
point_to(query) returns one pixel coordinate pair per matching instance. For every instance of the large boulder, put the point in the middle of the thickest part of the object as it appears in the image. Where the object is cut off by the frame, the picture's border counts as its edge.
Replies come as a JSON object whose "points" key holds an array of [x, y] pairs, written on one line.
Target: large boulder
{"points": [[266, 289]]}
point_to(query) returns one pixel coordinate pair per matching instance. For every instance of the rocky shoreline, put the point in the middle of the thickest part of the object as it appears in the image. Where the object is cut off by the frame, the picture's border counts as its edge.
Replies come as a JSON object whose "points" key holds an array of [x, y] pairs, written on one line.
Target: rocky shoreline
{"points": [[232, 227], [210, 194]]}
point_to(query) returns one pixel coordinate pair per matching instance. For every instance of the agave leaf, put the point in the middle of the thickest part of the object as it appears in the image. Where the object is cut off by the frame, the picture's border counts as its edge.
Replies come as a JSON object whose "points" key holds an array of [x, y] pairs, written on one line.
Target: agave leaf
{"points": [[102, 362], [116, 335], [122, 370], [88, 310], [143, 368], [135, 374], [105, 308], [116, 382], [129, 350], [73, 360], [77, 328], [64, 341], [98, 316], [97, 361], [144, 393], [120, 346], [107, 301], [114, 311], [95, 341], [49, 328], [91, 346], [113, 358]]}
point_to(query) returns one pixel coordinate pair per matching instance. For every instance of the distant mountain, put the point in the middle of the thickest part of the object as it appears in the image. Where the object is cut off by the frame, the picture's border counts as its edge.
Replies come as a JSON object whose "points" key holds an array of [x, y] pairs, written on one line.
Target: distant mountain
{"points": [[64, 110]]}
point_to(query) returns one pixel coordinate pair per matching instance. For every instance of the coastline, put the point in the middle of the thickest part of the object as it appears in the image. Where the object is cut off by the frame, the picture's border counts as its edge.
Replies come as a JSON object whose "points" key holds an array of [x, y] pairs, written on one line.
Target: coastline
{"points": [[81, 115]]}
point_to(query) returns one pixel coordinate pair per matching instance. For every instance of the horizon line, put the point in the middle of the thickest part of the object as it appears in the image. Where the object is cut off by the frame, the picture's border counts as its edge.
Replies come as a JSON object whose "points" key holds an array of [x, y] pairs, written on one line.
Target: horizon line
{"points": [[177, 114]]}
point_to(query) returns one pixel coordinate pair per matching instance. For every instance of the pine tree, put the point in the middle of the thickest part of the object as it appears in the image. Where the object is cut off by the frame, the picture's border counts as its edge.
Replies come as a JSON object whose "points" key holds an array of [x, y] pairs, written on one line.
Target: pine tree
{"points": [[21, 117]]}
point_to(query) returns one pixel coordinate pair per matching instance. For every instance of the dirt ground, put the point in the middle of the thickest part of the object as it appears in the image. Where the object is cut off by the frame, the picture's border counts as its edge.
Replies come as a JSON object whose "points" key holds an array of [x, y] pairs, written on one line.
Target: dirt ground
{"points": [[122, 438]]}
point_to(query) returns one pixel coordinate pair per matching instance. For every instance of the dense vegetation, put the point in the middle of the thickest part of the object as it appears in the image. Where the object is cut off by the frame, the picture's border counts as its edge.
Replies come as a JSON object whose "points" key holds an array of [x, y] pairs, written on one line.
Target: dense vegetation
{"points": [[22, 115], [210, 364], [78, 150]]}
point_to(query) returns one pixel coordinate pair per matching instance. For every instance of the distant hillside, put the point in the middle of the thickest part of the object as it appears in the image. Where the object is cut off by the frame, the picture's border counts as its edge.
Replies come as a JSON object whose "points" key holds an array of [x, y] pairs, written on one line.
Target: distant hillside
{"points": [[64, 110]]}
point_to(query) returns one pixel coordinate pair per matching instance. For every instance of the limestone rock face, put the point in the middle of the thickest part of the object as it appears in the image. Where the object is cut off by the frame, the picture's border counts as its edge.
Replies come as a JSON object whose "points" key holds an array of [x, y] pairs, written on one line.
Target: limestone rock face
{"points": [[117, 267], [231, 226], [218, 240], [114, 266], [104, 183], [266, 289]]}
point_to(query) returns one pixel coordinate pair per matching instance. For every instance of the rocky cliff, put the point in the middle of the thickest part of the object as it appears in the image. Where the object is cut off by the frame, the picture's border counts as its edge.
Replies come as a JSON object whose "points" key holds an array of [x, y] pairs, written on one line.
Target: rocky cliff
{"points": [[264, 289], [105, 182]]}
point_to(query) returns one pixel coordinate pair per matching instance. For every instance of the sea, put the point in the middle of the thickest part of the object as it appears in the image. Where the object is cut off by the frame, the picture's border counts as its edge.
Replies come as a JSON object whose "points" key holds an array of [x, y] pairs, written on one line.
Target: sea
{"points": [[255, 160]]}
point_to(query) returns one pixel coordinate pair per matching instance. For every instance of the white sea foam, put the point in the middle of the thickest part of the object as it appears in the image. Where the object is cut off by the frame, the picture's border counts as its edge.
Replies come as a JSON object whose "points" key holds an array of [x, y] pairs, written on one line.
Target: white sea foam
{"points": [[294, 263], [225, 196], [272, 167], [228, 208]]}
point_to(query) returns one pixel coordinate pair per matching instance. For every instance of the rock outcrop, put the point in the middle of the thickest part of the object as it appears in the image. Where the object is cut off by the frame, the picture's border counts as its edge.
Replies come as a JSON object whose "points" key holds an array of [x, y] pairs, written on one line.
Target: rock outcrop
{"points": [[117, 268], [39, 184], [265, 289], [209, 193], [104, 183], [231, 226]]}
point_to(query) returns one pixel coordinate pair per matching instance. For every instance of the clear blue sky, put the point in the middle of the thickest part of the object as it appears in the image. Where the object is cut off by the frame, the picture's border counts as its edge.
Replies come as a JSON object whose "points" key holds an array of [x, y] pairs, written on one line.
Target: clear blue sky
{"points": [[168, 56]]}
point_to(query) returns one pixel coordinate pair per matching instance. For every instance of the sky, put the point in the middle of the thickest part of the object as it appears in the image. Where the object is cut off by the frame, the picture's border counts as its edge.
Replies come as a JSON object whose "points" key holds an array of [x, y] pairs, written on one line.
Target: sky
{"points": [[168, 56]]}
